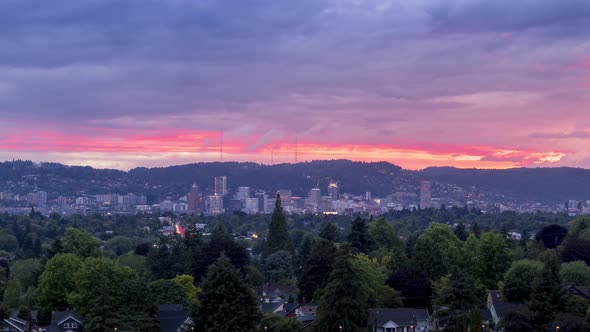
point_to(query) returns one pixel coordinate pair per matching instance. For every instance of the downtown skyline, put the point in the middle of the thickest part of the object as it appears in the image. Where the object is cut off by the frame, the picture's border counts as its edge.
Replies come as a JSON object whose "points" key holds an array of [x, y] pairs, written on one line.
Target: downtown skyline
{"points": [[415, 83]]}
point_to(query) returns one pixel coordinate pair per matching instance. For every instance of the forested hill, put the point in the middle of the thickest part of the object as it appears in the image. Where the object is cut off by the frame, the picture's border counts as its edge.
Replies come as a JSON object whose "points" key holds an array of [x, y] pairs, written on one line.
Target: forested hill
{"points": [[537, 184], [555, 185]]}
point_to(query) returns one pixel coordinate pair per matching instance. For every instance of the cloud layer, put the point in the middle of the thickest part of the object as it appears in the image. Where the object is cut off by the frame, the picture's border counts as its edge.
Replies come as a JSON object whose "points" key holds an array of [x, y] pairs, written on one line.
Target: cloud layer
{"points": [[470, 83]]}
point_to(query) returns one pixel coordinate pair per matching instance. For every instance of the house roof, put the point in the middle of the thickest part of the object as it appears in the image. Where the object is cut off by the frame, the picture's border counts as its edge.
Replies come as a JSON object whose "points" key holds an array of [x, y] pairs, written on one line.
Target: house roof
{"points": [[59, 317], [270, 307], [18, 324], [400, 316], [580, 291], [173, 317]]}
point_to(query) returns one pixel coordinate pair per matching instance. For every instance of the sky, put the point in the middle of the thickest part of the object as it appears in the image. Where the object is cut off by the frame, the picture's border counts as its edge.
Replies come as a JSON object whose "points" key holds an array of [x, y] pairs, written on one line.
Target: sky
{"points": [[418, 83]]}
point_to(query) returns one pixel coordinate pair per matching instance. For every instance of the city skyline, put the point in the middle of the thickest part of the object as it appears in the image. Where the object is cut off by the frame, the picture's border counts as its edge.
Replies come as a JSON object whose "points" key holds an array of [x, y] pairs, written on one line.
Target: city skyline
{"points": [[415, 83]]}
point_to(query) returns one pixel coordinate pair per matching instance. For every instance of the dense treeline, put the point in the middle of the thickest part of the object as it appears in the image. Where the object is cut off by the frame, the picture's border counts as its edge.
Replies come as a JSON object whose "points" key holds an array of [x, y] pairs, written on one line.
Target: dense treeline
{"points": [[114, 270]]}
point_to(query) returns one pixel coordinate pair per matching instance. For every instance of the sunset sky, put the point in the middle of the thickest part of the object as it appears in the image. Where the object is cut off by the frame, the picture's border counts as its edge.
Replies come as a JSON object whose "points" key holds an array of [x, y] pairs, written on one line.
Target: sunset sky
{"points": [[466, 83]]}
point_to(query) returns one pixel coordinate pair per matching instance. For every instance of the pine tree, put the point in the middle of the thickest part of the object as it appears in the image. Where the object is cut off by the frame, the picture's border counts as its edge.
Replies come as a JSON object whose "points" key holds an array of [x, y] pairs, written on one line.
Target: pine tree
{"points": [[342, 303], [278, 233], [359, 236], [226, 301], [317, 269]]}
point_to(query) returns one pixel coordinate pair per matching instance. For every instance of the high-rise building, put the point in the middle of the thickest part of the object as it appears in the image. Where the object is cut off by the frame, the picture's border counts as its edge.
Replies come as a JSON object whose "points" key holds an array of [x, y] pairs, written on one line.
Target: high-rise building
{"points": [[251, 205], [195, 201], [262, 198], [221, 185], [368, 196], [313, 199], [286, 195], [37, 198], [333, 190], [215, 204], [243, 193], [425, 194]]}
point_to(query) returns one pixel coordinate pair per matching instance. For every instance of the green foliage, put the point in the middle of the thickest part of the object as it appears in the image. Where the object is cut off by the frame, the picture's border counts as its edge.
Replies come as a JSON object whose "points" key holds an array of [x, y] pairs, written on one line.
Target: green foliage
{"points": [[119, 245], [427, 258], [575, 273], [517, 322], [458, 291], [254, 277], [329, 231], [495, 257], [227, 302], [12, 294], [274, 323], [57, 281], [26, 272], [80, 242], [136, 263], [317, 269], [461, 232], [547, 296], [168, 291], [278, 266], [97, 295], [359, 236], [187, 283], [576, 305], [8, 242], [343, 302], [518, 280], [373, 275], [278, 233], [569, 323], [136, 307]]}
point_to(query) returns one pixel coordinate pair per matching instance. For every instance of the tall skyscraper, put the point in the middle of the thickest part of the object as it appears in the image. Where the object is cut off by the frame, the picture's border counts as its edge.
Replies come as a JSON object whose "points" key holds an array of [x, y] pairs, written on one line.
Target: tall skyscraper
{"points": [[221, 185], [333, 190], [243, 193], [196, 201], [313, 199], [425, 194], [215, 204], [286, 195]]}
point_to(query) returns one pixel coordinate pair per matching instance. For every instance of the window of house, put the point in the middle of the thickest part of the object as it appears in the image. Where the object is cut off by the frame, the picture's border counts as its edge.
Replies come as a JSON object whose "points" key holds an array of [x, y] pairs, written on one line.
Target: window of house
{"points": [[70, 325]]}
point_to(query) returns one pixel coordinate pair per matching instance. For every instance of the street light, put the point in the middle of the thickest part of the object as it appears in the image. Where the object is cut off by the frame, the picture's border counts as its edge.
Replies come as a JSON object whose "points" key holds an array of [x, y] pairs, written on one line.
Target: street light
{"points": [[411, 328], [340, 327], [483, 328], [557, 328], [265, 328]]}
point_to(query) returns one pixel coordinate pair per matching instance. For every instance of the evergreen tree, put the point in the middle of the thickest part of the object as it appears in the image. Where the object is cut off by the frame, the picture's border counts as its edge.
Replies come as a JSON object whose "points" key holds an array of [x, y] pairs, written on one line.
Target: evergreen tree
{"points": [[343, 302], [476, 229], [547, 296], [329, 231], [317, 269], [278, 232], [226, 301], [461, 232], [359, 236]]}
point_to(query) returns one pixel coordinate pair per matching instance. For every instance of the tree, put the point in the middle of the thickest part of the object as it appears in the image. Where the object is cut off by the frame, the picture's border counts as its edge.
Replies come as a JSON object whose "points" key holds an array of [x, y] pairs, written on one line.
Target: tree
{"points": [[570, 323], [168, 291], [317, 269], [476, 229], [119, 245], [220, 244], [495, 257], [575, 273], [278, 266], [254, 277], [427, 258], [136, 307], [136, 263], [359, 237], [12, 294], [57, 282], [373, 275], [329, 231], [414, 286], [97, 295], [461, 232], [26, 272], [226, 301], [384, 236], [547, 296], [79, 242], [517, 322], [274, 323], [8, 242], [517, 281], [278, 232], [343, 301], [551, 235], [457, 291]]}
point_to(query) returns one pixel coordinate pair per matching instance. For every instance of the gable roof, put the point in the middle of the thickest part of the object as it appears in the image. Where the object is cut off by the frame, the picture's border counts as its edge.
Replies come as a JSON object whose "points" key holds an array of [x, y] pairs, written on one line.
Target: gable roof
{"points": [[399, 316], [59, 317], [173, 317], [18, 324], [579, 290]]}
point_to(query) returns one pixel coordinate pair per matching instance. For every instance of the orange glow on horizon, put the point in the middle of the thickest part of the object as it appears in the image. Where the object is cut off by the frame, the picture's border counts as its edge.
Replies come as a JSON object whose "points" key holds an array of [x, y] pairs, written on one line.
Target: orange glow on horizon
{"points": [[205, 146]]}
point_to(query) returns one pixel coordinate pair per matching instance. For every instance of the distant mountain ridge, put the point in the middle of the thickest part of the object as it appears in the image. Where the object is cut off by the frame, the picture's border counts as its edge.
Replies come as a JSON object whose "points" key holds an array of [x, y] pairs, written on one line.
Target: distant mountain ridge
{"points": [[555, 185]]}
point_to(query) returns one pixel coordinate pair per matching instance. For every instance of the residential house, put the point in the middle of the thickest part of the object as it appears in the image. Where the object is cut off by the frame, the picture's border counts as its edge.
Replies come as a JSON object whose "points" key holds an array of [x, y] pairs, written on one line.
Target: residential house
{"points": [[173, 318], [580, 291], [65, 321], [498, 307], [399, 320]]}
